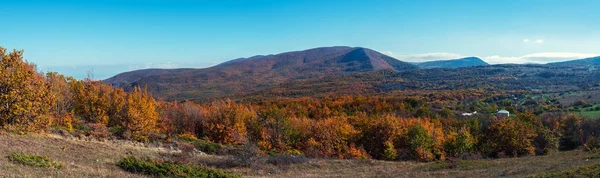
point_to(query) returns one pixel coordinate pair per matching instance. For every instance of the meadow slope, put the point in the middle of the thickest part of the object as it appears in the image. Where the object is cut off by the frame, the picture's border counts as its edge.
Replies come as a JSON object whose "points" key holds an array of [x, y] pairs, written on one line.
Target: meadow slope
{"points": [[91, 158]]}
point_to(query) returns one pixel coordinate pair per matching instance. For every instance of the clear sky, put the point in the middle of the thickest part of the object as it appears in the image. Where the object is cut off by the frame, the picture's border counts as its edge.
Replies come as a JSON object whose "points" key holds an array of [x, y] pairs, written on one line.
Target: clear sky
{"points": [[113, 36]]}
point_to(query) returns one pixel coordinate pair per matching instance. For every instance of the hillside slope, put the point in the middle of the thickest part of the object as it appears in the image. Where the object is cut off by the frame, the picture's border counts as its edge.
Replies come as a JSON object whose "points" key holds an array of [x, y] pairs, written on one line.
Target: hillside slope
{"points": [[492, 77], [98, 159], [250, 75]]}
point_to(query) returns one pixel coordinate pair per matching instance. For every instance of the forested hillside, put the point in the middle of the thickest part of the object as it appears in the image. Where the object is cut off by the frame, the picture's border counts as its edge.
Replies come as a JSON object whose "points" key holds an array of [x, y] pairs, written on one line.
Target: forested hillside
{"points": [[251, 75], [338, 71]]}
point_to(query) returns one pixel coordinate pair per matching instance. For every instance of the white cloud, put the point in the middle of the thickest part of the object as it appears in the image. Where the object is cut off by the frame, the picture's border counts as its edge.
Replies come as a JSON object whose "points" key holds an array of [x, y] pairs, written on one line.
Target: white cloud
{"points": [[525, 40], [540, 58], [426, 56], [539, 41], [501, 59]]}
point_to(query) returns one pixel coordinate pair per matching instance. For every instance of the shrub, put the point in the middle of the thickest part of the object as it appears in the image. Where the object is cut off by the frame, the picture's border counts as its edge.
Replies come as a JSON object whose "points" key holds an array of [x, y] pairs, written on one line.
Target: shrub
{"points": [[294, 152], [390, 152], [462, 143], [571, 132], [420, 143], [187, 137], [546, 141], [98, 130], [357, 153], [167, 169], [34, 160], [579, 103], [592, 144], [511, 137], [141, 138], [186, 148], [206, 146]]}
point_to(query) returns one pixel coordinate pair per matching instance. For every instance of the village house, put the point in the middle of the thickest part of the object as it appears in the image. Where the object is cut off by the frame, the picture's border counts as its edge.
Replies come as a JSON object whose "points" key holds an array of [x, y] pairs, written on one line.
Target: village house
{"points": [[503, 112]]}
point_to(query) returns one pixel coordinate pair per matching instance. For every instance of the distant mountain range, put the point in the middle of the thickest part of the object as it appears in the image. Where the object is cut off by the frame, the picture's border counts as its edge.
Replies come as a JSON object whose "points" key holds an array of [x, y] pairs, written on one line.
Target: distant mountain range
{"points": [[347, 70], [593, 61], [258, 72], [453, 63]]}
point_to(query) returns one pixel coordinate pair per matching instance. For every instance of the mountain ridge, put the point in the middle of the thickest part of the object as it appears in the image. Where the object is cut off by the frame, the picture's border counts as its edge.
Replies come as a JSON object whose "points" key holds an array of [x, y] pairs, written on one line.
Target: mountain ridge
{"points": [[251, 74], [453, 63], [585, 61], [339, 69]]}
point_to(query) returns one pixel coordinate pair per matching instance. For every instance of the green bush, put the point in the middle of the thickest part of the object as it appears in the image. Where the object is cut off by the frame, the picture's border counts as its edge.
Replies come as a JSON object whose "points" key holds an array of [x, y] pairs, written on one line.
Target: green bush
{"points": [[167, 169], [419, 143], [206, 146], [200, 144], [34, 160], [390, 152], [463, 143]]}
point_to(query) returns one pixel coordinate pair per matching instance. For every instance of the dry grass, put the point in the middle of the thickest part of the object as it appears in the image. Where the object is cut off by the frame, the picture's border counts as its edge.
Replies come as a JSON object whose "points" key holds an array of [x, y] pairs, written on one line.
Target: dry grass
{"points": [[81, 158], [84, 158], [507, 167]]}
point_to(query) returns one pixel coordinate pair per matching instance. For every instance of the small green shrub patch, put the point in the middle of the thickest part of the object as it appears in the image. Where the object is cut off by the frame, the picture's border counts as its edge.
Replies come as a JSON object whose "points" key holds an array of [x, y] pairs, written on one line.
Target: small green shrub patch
{"points": [[200, 144], [167, 169], [34, 160], [206, 146]]}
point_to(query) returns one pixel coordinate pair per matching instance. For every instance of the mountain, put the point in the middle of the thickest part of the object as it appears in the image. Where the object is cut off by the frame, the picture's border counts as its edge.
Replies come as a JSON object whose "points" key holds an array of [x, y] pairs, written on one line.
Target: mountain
{"points": [[243, 59], [592, 61], [453, 63], [246, 75]]}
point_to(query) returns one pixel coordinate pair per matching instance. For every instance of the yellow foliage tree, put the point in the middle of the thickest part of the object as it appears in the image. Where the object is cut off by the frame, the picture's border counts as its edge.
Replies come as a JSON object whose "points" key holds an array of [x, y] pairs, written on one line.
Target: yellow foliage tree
{"points": [[24, 99], [141, 116]]}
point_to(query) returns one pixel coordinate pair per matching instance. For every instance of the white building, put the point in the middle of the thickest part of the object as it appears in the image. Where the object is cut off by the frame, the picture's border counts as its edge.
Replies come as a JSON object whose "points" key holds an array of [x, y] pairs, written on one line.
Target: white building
{"points": [[503, 113]]}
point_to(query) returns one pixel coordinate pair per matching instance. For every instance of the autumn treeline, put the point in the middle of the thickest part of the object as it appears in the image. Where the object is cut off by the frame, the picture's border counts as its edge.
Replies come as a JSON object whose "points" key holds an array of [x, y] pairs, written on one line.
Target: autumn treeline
{"points": [[32, 101], [379, 128], [390, 128]]}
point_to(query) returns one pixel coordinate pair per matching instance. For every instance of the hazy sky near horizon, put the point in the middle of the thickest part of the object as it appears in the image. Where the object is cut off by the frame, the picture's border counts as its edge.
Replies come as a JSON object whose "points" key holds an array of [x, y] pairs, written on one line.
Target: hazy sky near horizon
{"points": [[113, 36]]}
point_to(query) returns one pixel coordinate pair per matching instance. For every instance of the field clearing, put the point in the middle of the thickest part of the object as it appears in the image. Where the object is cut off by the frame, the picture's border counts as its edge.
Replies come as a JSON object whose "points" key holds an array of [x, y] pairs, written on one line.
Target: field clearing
{"points": [[590, 114], [568, 99], [97, 159]]}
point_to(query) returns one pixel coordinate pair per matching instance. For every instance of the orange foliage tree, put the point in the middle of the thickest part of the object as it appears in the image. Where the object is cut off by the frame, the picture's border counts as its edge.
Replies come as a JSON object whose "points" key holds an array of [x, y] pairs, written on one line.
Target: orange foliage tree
{"points": [[225, 122], [140, 114], [24, 99]]}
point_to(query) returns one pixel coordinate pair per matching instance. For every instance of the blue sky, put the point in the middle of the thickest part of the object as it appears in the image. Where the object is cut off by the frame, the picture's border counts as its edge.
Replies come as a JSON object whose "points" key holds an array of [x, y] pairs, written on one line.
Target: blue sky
{"points": [[113, 36]]}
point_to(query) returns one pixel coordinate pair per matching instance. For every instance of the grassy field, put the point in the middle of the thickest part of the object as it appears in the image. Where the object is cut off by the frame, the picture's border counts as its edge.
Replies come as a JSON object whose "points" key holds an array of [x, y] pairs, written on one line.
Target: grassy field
{"points": [[84, 158], [590, 114]]}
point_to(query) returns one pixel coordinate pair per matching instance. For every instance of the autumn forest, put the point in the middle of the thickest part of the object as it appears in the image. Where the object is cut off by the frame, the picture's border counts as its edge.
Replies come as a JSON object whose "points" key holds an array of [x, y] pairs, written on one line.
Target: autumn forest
{"points": [[411, 127]]}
